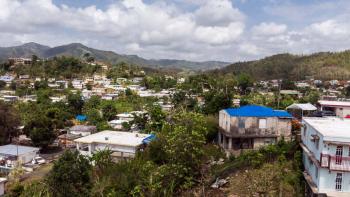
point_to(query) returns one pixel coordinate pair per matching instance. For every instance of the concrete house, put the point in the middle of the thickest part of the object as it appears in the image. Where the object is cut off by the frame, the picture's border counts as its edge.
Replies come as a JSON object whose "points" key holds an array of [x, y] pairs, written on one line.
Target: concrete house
{"points": [[82, 130], [340, 108], [252, 126], [326, 156], [124, 145]]}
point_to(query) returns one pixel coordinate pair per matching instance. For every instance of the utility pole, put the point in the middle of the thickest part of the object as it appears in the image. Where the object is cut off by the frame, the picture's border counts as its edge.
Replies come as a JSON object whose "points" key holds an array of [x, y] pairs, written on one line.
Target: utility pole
{"points": [[279, 94]]}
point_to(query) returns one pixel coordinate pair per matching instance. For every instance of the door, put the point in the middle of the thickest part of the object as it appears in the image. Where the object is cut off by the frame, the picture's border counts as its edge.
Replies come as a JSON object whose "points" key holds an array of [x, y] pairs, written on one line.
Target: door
{"points": [[339, 155]]}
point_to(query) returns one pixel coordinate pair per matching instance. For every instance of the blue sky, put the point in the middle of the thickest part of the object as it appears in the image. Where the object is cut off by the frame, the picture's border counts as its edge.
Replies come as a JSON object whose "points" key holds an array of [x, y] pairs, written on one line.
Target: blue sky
{"points": [[228, 30]]}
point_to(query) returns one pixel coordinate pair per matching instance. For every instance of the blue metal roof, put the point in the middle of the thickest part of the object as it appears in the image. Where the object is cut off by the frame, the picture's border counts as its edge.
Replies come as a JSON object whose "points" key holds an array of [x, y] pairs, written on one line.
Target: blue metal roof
{"points": [[257, 111], [81, 117], [148, 139]]}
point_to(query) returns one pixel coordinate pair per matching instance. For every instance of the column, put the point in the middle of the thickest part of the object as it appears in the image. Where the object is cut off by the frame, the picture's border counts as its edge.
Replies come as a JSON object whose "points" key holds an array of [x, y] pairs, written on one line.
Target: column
{"points": [[219, 138], [230, 143], [224, 141]]}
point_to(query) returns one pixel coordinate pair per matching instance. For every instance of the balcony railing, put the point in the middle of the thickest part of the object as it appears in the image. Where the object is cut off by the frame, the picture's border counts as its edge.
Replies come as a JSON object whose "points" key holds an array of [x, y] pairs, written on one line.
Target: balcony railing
{"points": [[334, 162]]}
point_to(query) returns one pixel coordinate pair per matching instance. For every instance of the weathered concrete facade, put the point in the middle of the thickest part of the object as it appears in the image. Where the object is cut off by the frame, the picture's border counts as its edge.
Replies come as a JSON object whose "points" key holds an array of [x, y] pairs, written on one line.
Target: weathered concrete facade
{"points": [[237, 133]]}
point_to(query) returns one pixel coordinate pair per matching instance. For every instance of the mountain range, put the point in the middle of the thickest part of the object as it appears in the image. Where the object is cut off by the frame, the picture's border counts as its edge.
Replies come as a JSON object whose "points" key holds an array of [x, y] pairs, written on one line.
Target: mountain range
{"points": [[78, 50]]}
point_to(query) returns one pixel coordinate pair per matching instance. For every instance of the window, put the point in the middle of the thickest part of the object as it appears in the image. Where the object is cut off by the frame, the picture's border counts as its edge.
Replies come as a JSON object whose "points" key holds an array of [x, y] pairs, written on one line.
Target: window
{"points": [[262, 123], [339, 155], [317, 143], [241, 123], [338, 181], [349, 152]]}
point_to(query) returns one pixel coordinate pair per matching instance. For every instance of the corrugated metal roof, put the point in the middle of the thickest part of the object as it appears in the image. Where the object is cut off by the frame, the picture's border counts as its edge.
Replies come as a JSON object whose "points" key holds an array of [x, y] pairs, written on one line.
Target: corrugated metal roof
{"points": [[257, 111], [302, 106]]}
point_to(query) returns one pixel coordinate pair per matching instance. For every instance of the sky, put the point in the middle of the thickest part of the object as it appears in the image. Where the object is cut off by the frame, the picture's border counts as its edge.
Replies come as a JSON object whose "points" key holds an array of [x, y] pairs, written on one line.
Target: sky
{"points": [[198, 30]]}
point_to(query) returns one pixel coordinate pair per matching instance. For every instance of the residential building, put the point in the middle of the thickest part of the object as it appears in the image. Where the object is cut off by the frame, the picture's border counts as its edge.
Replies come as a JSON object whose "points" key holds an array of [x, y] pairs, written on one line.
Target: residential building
{"points": [[7, 78], [11, 154], [10, 98], [117, 124], [123, 145], [82, 130], [326, 156], [19, 61], [340, 108], [252, 126], [78, 84]]}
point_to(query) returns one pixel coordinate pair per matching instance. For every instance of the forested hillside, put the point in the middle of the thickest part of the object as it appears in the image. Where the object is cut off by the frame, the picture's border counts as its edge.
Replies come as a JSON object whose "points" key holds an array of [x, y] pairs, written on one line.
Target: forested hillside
{"points": [[78, 50], [325, 65]]}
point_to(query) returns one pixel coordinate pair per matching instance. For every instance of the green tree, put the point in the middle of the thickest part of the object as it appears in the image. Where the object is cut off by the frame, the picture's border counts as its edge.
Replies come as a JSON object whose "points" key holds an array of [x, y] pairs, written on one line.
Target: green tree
{"points": [[109, 110], [40, 130], [9, 122], [157, 118], [244, 81], [75, 103], [216, 101], [70, 176]]}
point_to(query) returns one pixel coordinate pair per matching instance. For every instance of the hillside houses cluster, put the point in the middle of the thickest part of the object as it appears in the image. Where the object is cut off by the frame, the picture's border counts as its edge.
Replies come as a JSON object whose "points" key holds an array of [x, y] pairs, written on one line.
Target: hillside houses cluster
{"points": [[97, 85]]}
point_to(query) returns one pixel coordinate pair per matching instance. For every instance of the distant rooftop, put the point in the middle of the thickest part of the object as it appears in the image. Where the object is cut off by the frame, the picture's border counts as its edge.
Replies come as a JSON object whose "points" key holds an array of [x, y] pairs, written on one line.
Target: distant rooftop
{"points": [[334, 103], [257, 111], [331, 128]]}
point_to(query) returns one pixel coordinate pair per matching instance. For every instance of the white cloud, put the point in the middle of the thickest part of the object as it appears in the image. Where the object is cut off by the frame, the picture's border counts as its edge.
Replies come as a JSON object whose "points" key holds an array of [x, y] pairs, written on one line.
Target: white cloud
{"points": [[268, 29], [219, 35], [217, 13]]}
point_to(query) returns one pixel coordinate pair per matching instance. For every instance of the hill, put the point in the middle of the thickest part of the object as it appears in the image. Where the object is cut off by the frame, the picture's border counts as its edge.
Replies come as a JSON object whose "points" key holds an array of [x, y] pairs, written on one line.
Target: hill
{"points": [[323, 65], [78, 50]]}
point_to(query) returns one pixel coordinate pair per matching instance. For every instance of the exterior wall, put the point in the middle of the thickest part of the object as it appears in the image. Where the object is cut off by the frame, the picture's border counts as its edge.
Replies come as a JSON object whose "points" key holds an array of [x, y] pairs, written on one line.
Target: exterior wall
{"points": [[26, 158], [82, 133], [342, 111], [306, 136], [126, 150], [327, 181]]}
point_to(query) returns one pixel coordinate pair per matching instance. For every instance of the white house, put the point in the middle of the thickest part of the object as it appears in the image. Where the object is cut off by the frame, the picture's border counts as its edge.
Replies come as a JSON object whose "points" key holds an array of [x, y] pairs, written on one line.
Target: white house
{"points": [[117, 124], [10, 98], [11, 153], [83, 130], [126, 116], [78, 84], [341, 108], [124, 145], [326, 156]]}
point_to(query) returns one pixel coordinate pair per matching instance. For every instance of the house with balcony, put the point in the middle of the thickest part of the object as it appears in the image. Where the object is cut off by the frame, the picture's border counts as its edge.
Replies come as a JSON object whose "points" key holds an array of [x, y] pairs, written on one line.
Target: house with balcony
{"points": [[326, 156], [252, 126]]}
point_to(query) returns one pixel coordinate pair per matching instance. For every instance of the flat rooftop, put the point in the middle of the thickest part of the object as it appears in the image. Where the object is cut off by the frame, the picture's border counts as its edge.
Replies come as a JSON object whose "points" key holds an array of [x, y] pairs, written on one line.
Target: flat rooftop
{"points": [[331, 128], [114, 137]]}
